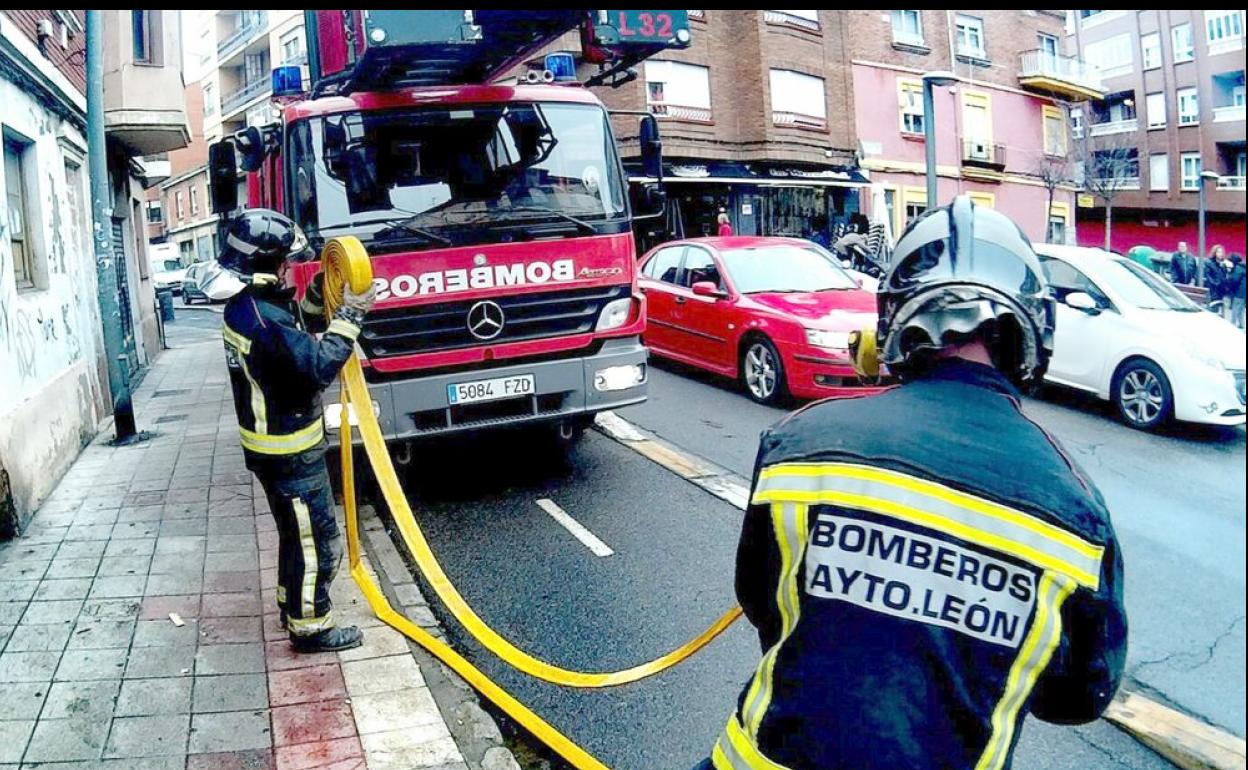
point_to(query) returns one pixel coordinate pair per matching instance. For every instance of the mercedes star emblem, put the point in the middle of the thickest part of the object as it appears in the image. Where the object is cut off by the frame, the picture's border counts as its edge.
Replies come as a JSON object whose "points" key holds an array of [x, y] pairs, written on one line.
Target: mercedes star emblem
{"points": [[485, 320]]}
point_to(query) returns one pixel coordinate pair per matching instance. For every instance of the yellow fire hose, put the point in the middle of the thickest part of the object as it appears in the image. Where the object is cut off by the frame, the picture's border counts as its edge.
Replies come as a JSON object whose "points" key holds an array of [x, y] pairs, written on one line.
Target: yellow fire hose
{"points": [[345, 261]]}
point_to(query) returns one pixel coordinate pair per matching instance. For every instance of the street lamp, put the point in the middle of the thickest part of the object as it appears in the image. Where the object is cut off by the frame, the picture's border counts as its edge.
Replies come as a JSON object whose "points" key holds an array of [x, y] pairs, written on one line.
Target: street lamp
{"points": [[932, 80], [1205, 176]]}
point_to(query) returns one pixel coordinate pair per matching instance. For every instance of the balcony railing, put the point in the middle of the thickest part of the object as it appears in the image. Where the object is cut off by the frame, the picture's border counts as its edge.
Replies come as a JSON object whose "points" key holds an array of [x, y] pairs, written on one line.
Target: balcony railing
{"points": [[680, 112], [984, 154], [792, 19], [1230, 183], [241, 37], [251, 91], [1228, 114], [1043, 68], [797, 120], [1129, 125]]}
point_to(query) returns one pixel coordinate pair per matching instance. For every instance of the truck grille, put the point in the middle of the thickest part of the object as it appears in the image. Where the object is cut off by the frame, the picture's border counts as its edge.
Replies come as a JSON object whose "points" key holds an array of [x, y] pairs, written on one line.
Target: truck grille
{"points": [[444, 326]]}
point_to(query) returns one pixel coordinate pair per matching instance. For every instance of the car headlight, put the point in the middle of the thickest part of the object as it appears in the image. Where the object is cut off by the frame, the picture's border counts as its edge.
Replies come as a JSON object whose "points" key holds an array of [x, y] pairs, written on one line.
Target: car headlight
{"points": [[614, 314], [825, 339]]}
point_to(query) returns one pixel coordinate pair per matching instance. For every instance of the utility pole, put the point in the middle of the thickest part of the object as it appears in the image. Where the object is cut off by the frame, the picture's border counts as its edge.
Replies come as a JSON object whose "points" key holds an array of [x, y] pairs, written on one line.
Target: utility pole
{"points": [[932, 80], [101, 209]]}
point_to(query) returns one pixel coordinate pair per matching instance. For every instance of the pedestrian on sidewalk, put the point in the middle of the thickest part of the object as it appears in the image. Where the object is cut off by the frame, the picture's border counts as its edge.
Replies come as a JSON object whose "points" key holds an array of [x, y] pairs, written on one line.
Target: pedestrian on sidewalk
{"points": [[1235, 289], [927, 566], [725, 225], [278, 371]]}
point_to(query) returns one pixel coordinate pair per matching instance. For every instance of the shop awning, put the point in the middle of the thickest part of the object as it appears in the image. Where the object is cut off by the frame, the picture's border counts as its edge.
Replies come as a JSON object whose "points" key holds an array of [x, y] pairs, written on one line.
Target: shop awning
{"points": [[770, 175]]}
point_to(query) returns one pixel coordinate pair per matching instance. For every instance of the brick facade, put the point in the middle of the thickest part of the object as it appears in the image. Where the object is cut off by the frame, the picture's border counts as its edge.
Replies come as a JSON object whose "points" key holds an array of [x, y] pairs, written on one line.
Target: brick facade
{"points": [[68, 26]]}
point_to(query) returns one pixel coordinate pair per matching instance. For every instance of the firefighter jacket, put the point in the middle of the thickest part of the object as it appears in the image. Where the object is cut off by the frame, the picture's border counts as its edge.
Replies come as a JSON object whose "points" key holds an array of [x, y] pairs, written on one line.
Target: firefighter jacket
{"points": [[925, 567], [278, 371]]}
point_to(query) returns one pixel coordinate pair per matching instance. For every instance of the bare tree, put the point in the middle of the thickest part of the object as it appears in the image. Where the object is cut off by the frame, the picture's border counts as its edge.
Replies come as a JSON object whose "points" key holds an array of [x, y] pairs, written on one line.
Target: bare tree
{"points": [[1107, 166], [1053, 171]]}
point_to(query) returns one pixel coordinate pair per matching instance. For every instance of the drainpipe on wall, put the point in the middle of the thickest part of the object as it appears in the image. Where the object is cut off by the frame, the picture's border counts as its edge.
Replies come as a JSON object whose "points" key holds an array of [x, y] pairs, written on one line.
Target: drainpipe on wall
{"points": [[101, 208]]}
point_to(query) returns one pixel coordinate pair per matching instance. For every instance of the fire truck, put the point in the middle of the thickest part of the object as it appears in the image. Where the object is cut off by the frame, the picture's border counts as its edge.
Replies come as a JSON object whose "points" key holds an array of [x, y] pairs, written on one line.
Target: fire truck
{"points": [[485, 182]]}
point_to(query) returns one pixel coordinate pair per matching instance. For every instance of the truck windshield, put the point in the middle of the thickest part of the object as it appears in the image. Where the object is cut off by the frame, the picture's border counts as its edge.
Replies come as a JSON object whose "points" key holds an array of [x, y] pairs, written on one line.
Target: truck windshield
{"points": [[455, 175]]}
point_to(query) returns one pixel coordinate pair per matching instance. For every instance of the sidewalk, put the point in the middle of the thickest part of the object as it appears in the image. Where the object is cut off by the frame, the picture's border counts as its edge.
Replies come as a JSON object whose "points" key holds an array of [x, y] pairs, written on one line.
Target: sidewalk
{"points": [[138, 628]]}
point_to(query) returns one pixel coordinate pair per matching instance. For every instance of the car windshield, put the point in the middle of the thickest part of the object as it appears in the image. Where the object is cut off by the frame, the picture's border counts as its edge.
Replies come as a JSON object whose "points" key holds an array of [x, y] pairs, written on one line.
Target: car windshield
{"points": [[1142, 288], [166, 265], [785, 268], [450, 175]]}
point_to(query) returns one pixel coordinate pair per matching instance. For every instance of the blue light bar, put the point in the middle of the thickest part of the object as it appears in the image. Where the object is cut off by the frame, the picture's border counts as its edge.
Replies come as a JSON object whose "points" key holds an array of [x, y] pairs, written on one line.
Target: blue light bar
{"points": [[287, 80], [562, 65]]}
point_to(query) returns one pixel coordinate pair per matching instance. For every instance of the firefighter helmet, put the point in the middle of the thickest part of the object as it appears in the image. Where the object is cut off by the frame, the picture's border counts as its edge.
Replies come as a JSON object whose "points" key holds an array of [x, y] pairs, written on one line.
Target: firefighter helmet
{"points": [[260, 240], [962, 270]]}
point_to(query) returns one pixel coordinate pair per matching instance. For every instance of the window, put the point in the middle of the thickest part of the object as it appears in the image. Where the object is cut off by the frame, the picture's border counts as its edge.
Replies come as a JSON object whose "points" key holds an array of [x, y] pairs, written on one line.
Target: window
{"points": [[665, 265], [1159, 172], [1191, 170], [1054, 131], [908, 27], [914, 203], [910, 101], [141, 32], [292, 48], [1155, 109], [1048, 48], [1076, 122], [1237, 96], [1113, 55], [797, 99], [1189, 107], [18, 199], [676, 90], [1059, 223], [1150, 50], [194, 201], [181, 208], [210, 99], [155, 214], [977, 123], [1181, 37], [1224, 30], [699, 267], [970, 37]]}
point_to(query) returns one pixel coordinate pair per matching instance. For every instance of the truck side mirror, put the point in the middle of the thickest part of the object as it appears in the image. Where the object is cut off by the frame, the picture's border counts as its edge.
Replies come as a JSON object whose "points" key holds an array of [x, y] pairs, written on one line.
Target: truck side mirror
{"points": [[251, 147], [651, 148], [223, 176]]}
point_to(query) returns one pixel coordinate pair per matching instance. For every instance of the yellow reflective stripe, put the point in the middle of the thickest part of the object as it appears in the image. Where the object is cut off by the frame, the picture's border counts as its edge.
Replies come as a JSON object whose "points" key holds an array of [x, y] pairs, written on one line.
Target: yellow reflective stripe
{"points": [[919, 501], [307, 543], [287, 444], [258, 409], [1033, 658], [307, 626], [790, 525], [735, 751], [344, 328], [235, 339], [281, 595]]}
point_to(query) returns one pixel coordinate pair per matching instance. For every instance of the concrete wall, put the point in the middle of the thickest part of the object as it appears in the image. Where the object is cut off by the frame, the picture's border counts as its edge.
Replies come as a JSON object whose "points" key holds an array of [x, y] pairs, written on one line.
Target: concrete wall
{"points": [[51, 391]]}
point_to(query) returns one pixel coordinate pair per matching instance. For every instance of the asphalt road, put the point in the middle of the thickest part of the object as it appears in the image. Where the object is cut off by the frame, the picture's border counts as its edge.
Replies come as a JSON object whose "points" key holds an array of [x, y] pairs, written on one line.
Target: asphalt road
{"points": [[1178, 502]]}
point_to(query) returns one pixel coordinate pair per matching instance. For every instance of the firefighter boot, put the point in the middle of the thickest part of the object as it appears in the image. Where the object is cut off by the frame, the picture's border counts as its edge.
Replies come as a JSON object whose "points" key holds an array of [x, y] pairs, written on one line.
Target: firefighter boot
{"points": [[329, 640]]}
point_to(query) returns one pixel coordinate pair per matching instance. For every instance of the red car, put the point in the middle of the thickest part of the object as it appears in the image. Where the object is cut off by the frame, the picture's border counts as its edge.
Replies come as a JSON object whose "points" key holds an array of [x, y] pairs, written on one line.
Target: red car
{"points": [[774, 312]]}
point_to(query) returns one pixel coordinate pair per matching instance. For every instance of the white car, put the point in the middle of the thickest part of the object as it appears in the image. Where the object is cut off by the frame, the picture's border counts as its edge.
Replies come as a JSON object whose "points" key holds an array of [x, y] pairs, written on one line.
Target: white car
{"points": [[1124, 333], [168, 273]]}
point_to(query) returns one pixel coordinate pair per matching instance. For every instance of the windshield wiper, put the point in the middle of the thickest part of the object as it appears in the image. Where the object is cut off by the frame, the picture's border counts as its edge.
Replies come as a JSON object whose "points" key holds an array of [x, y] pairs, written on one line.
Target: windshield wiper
{"points": [[406, 226], [581, 224]]}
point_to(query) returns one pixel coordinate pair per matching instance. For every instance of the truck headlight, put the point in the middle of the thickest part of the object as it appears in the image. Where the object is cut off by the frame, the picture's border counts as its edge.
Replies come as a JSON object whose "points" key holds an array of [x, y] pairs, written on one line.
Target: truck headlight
{"points": [[619, 377], [831, 340], [333, 415], [614, 314]]}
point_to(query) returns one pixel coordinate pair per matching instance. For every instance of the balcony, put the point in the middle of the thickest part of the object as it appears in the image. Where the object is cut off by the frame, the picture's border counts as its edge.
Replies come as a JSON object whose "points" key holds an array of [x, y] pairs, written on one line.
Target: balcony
{"points": [[1126, 126], [681, 112], [1231, 183], [1063, 76], [254, 90], [983, 160], [145, 103], [254, 25], [797, 120], [1229, 114]]}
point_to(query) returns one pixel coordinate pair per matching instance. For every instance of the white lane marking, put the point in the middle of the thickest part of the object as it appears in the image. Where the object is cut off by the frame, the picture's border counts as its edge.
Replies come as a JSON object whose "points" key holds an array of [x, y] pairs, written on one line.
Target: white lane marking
{"points": [[587, 538]]}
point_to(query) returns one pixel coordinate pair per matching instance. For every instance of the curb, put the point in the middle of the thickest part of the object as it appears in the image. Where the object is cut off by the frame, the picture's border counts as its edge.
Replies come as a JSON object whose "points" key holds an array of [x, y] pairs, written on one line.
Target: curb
{"points": [[1181, 739], [476, 733]]}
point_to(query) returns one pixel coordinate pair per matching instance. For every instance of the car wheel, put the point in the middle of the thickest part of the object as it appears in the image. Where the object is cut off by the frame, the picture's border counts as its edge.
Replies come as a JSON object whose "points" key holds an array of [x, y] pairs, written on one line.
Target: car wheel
{"points": [[1142, 394], [762, 372]]}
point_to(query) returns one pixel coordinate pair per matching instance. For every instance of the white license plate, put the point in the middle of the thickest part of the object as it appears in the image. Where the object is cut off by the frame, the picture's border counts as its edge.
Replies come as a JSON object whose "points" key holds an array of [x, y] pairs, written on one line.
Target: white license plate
{"points": [[490, 390]]}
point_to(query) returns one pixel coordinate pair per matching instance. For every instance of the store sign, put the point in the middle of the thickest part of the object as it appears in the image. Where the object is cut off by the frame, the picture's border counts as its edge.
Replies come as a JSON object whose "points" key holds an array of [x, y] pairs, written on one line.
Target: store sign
{"points": [[1086, 201]]}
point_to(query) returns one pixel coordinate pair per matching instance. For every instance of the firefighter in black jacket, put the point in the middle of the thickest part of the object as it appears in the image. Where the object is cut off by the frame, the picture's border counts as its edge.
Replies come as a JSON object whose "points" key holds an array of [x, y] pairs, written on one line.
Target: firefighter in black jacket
{"points": [[278, 371], [927, 566]]}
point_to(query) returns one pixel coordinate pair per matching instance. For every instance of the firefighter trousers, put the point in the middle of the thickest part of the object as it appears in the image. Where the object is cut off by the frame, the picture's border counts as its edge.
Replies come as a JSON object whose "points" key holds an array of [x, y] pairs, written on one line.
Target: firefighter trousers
{"points": [[309, 543]]}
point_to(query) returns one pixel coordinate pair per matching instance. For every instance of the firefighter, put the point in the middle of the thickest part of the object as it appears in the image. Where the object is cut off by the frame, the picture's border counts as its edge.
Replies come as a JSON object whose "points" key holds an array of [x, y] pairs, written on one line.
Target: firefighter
{"points": [[927, 566], [278, 371]]}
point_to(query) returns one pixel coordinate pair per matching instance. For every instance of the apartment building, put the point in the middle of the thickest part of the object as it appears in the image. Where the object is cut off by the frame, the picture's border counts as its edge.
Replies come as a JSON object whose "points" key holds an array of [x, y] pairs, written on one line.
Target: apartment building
{"points": [[1175, 104], [52, 358], [1000, 127], [757, 122], [180, 209]]}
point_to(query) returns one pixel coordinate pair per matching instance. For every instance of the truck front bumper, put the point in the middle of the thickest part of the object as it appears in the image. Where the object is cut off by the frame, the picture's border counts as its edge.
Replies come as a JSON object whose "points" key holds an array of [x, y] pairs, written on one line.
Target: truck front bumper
{"points": [[563, 389]]}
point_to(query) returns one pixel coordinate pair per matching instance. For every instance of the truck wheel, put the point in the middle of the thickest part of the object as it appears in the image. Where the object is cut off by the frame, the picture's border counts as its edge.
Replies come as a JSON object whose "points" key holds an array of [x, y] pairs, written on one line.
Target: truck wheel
{"points": [[762, 371]]}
